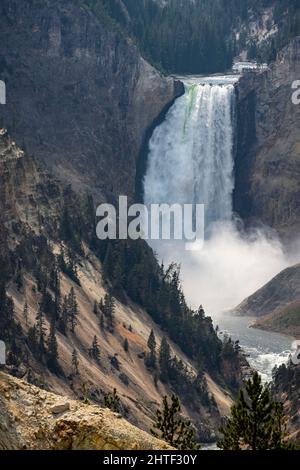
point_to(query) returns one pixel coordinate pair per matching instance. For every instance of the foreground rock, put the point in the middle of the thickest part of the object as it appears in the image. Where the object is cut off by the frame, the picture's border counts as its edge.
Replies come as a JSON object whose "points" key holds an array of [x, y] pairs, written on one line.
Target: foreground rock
{"points": [[31, 418]]}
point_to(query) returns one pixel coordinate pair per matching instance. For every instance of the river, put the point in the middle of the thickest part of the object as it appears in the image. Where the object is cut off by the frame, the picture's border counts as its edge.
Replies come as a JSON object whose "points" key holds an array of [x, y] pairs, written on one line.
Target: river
{"points": [[264, 349]]}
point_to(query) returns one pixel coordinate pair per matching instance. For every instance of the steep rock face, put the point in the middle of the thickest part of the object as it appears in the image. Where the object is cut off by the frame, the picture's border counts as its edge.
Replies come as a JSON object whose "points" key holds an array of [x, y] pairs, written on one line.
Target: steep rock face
{"points": [[284, 288], [268, 145], [33, 419], [79, 95], [21, 181], [277, 304], [29, 198]]}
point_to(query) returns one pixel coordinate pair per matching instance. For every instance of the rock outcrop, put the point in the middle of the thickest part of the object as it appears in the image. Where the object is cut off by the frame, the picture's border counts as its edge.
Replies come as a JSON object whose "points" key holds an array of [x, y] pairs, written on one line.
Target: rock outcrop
{"points": [[79, 95], [277, 293], [277, 304], [33, 419], [268, 145]]}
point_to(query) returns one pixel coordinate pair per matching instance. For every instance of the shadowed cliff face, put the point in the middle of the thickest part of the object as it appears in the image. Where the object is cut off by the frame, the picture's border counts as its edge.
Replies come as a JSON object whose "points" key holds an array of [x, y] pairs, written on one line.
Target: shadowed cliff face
{"points": [[79, 95], [268, 145]]}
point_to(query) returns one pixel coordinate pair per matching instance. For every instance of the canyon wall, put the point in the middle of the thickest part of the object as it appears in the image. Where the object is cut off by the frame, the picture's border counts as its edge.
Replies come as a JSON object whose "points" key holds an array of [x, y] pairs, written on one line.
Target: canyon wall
{"points": [[79, 95], [268, 145]]}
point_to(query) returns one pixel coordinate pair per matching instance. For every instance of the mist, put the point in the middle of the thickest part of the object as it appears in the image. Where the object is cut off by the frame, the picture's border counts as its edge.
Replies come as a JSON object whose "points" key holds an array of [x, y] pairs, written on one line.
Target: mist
{"points": [[231, 266]]}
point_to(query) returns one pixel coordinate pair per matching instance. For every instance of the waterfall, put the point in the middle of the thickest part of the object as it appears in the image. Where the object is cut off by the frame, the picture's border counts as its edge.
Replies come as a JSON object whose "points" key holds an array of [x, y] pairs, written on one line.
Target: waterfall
{"points": [[191, 153], [191, 160]]}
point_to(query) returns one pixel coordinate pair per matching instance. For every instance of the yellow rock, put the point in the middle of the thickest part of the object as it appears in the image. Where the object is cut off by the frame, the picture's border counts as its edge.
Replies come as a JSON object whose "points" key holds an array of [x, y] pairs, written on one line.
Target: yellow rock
{"points": [[81, 427]]}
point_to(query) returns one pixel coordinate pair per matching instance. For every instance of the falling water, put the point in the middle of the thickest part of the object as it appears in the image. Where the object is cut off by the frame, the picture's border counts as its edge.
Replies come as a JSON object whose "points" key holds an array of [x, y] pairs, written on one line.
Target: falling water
{"points": [[191, 153], [191, 160]]}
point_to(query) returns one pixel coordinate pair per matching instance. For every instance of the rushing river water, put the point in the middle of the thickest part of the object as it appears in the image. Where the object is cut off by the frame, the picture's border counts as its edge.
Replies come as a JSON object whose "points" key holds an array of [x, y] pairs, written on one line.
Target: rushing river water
{"points": [[264, 349]]}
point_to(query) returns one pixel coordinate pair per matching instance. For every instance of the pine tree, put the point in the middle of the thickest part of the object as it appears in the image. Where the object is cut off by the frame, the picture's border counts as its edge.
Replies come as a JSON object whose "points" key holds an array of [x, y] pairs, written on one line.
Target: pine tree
{"points": [[47, 302], [177, 432], [112, 401], [109, 311], [126, 345], [201, 313], [32, 339], [95, 350], [164, 360], [63, 320], [71, 268], [52, 348], [40, 331], [257, 421], [19, 278], [66, 231], [25, 313], [57, 293], [101, 305], [85, 394], [151, 357], [75, 363], [67, 265], [72, 310]]}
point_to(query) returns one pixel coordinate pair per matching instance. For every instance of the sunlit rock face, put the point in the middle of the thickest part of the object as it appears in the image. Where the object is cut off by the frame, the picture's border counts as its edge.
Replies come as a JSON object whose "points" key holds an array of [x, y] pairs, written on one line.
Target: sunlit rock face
{"points": [[31, 418]]}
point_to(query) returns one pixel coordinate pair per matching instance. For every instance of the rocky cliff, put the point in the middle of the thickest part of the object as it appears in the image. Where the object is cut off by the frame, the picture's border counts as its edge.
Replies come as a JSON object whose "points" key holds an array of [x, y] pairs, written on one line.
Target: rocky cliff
{"points": [[277, 304], [33, 419], [30, 202], [268, 145], [79, 95]]}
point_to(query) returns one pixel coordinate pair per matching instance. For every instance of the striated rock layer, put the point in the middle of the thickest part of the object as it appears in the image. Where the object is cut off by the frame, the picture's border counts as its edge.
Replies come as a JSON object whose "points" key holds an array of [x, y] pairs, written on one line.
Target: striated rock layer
{"points": [[33, 419]]}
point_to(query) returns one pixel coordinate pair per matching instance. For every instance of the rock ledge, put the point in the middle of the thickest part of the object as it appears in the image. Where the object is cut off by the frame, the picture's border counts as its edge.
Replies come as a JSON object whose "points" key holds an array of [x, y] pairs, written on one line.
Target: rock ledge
{"points": [[31, 418]]}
